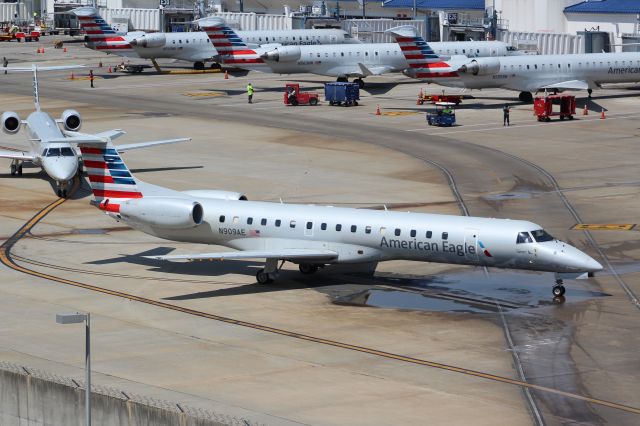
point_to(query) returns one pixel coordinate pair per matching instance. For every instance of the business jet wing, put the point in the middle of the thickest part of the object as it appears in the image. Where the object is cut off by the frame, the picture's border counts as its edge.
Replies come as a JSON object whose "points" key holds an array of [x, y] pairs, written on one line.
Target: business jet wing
{"points": [[284, 254], [374, 70], [570, 84], [16, 155]]}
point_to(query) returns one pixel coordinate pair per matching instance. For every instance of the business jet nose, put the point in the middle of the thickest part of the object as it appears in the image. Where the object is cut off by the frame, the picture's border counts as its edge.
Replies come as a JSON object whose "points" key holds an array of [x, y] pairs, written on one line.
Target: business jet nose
{"points": [[60, 169]]}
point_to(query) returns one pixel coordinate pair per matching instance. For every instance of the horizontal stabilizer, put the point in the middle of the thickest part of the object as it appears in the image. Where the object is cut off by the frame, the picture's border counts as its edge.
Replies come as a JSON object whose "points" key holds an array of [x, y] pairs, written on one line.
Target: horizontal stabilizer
{"points": [[39, 68], [404, 31], [79, 139], [16, 155], [110, 134], [373, 70], [284, 254], [132, 146], [571, 84]]}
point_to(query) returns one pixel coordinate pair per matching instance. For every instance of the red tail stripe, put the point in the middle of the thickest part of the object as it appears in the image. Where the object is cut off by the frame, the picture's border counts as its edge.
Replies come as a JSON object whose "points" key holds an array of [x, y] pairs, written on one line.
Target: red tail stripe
{"points": [[91, 164], [116, 194], [244, 61], [86, 150], [217, 36], [105, 39], [436, 74], [244, 52], [114, 47], [430, 66], [98, 178]]}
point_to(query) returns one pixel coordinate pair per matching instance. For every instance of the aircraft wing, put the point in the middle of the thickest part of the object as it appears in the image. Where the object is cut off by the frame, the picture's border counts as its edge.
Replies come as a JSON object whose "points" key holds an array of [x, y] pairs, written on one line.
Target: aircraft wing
{"points": [[284, 254], [16, 155], [374, 70], [131, 146], [111, 134], [571, 84]]}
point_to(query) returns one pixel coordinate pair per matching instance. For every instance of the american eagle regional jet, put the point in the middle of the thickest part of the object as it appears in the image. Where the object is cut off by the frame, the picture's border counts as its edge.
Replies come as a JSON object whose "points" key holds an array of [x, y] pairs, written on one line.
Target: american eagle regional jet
{"points": [[525, 74], [314, 236], [194, 46]]}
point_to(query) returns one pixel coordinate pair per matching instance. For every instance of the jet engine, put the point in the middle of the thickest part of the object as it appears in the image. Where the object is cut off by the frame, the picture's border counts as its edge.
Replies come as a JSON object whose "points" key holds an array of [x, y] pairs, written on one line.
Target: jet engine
{"points": [[282, 54], [482, 66], [10, 122], [163, 212], [71, 120], [150, 40], [217, 195]]}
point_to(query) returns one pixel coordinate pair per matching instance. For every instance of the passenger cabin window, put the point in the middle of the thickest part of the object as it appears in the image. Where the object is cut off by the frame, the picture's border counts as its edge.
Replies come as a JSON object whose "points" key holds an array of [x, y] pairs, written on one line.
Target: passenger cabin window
{"points": [[354, 228], [445, 235], [413, 233], [397, 232], [309, 225], [541, 236], [367, 229], [278, 223], [338, 227], [249, 220], [236, 219], [524, 238], [383, 230], [429, 234], [263, 222], [221, 218], [323, 226], [292, 224]]}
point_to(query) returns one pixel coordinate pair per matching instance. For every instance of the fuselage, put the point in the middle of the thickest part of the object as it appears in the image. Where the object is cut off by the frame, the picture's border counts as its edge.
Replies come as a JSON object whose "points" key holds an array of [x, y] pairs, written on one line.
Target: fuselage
{"points": [[58, 159], [532, 72], [344, 60], [361, 235]]}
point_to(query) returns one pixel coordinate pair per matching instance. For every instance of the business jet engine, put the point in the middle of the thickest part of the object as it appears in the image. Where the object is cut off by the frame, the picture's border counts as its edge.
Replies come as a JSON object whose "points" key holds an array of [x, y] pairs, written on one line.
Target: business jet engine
{"points": [[150, 40], [163, 212], [71, 120], [217, 195], [481, 66], [282, 54], [10, 122]]}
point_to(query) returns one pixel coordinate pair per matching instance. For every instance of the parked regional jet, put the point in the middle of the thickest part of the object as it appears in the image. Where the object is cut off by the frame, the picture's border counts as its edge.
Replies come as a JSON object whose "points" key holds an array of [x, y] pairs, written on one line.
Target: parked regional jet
{"points": [[51, 148], [189, 46], [525, 74], [343, 61], [314, 236]]}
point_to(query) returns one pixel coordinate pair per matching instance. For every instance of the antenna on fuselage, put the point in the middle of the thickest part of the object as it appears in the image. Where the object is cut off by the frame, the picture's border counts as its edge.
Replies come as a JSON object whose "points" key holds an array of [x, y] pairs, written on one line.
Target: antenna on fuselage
{"points": [[36, 96]]}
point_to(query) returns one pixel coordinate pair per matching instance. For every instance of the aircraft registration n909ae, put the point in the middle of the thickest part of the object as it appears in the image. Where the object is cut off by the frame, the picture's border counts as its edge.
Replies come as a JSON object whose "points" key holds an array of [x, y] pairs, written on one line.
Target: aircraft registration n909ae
{"points": [[314, 236], [525, 74], [53, 142]]}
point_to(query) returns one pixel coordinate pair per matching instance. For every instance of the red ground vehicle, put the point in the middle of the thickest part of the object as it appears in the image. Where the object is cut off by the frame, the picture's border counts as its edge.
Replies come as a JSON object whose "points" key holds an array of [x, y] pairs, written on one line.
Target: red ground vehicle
{"points": [[293, 96], [456, 99], [546, 107]]}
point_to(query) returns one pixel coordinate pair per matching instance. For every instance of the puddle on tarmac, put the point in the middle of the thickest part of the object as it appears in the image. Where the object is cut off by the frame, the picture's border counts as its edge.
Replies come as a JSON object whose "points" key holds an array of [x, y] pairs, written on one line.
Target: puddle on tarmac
{"points": [[470, 291]]}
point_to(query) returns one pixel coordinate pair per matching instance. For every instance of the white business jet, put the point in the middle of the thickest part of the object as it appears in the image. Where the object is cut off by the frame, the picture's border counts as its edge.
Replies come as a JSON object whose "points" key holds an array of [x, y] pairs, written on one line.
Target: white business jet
{"points": [[52, 148], [525, 74], [314, 236]]}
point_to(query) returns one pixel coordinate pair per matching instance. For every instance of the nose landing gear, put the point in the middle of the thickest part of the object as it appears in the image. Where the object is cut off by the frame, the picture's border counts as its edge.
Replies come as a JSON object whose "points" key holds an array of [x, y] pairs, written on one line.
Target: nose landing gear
{"points": [[558, 289], [61, 189], [16, 168]]}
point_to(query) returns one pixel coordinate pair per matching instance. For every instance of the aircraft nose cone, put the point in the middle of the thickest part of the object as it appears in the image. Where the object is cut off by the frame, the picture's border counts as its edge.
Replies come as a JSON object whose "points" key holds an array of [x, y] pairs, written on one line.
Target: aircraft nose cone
{"points": [[592, 265], [61, 169]]}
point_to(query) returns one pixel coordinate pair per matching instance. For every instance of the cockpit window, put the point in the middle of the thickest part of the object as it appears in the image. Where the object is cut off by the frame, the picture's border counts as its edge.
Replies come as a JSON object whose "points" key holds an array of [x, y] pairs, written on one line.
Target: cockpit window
{"points": [[57, 152], [523, 238], [53, 152], [66, 152], [511, 49], [347, 36], [541, 236]]}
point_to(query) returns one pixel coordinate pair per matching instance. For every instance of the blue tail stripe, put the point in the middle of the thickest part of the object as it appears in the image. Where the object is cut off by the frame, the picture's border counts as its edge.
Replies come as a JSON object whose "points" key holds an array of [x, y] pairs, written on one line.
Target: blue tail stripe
{"points": [[120, 173], [124, 181]]}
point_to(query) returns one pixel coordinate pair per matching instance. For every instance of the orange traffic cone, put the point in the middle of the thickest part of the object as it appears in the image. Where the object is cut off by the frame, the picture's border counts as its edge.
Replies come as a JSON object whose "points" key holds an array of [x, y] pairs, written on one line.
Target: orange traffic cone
{"points": [[585, 111], [602, 117], [378, 110], [226, 75]]}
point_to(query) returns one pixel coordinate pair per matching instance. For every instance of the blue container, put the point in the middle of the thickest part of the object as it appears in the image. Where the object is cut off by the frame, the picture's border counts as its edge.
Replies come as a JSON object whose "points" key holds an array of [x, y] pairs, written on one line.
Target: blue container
{"points": [[339, 93]]}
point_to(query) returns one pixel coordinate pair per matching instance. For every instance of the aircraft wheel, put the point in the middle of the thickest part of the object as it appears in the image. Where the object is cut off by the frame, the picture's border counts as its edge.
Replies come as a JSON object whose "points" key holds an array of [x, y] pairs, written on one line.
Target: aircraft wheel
{"points": [[263, 278], [308, 268], [525, 97], [216, 66], [589, 91], [198, 66], [59, 192], [20, 170], [64, 193], [558, 290], [13, 170]]}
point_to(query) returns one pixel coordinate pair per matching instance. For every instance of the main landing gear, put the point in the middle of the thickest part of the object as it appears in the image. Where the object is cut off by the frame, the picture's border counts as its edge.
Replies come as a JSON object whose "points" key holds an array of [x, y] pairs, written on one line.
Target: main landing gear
{"points": [[525, 97], [589, 91], [16, 168], [558, 289], [270, 271], [198, 66], [357, 80]]}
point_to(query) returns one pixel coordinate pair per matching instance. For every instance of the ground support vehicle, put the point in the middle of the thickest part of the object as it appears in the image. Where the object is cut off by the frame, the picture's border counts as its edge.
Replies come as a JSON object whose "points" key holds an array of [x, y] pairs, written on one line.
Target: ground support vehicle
{"points": [[444, 115], [563, 106], [340, 93], [293, 96]]}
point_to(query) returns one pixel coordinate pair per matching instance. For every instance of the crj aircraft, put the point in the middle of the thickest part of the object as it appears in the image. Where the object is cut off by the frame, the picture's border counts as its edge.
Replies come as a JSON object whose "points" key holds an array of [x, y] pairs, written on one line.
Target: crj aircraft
{"points": [[52, 148], [525, 74], [314, 236]]}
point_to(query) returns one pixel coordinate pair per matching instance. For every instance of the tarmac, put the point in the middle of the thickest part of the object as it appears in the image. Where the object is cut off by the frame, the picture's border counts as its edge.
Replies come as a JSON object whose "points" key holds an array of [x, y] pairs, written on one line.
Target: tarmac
{"points": [[417, 343]]}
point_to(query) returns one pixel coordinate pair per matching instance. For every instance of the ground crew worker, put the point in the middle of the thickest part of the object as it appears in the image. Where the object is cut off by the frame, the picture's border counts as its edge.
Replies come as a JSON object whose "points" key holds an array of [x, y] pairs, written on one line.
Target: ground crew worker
{"points": [[5, 63], [250, 93], [505, 115], [91, 77]]}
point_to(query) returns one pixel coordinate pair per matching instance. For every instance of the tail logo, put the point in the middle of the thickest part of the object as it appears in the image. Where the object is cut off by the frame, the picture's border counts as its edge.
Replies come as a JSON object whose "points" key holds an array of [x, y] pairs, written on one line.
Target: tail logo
{"points": [[484, 250], [229, 45], [98, 33]]}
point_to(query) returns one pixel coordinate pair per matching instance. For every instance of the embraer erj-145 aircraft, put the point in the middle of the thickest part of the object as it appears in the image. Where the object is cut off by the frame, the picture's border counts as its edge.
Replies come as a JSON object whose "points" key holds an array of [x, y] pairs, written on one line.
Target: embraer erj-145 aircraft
{"points": [[347, 60], [525, 74], [189, 46], [314, 236], [51, 148]]}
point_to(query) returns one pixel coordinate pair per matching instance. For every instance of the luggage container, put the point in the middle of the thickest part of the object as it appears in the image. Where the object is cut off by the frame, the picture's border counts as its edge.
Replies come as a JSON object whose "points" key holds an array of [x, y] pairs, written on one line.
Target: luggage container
{"points": [[563, 106], [340, 93]]}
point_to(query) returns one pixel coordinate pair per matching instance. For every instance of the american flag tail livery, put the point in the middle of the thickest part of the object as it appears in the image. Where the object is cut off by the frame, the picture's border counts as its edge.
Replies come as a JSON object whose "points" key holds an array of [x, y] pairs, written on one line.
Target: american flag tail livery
{"points": [[231, 48], [110, 179], [423, 61], [99, 35]]}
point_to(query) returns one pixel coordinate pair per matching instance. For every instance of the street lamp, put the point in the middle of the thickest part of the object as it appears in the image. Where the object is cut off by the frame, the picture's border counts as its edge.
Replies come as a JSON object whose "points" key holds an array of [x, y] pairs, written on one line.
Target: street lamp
{"points": [[78, 318]]}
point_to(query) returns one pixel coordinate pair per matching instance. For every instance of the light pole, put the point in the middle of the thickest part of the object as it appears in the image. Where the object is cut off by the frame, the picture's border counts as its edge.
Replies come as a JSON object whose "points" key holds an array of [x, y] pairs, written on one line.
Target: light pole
{"points": [[78, 318]]}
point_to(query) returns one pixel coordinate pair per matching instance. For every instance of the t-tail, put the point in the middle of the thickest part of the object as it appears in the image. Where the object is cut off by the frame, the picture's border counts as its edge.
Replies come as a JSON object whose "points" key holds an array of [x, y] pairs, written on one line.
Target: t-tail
{"points": [[423, 61], [111, 180], [99, 35], [232, 49]]}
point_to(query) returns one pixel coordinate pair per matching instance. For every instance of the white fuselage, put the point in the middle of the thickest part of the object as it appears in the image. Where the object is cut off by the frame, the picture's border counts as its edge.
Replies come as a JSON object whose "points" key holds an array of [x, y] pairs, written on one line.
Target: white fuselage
{"points": [[363, 236], [531, 73], [344, 60]]}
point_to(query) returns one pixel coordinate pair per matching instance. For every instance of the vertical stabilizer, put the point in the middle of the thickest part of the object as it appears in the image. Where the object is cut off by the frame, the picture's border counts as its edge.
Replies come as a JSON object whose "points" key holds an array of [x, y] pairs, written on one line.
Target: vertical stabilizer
{"points": [[99, 35]]}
